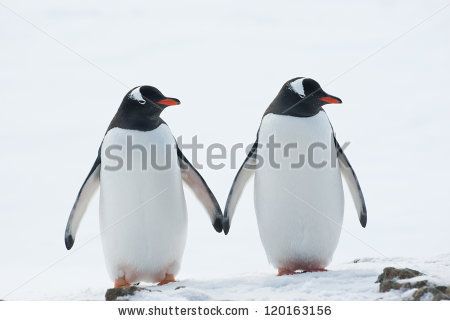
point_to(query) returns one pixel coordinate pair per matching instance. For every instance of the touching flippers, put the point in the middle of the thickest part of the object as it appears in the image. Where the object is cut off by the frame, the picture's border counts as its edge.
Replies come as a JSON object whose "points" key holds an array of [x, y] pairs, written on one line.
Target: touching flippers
{"points": [[245, 172], [198, 185]]}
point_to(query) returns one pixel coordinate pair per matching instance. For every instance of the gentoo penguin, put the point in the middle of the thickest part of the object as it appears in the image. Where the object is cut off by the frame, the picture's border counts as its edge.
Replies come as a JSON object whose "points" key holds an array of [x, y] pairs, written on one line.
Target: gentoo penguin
{"points": [[298, 192], [143, 217]]}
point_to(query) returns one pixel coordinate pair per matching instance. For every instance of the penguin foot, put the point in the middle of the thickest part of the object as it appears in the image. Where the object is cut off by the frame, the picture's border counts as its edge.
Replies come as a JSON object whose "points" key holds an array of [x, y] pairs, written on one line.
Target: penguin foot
{"points": [[284, 271], [121, 283], [168, 279]]}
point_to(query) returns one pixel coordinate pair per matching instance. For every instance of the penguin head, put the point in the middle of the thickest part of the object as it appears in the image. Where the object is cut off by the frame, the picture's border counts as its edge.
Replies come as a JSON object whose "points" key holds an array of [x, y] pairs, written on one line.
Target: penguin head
{"points": [[302, 97], [150, 97]]}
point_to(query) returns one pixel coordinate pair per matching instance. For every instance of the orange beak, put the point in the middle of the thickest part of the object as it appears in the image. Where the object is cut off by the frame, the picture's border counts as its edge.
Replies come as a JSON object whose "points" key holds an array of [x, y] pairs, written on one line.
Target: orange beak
{"points": [[168, 101], [331, 100]]}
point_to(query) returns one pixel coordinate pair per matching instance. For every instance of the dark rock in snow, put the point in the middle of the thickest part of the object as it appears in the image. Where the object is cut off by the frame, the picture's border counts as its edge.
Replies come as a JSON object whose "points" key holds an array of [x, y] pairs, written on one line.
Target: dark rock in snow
{"points": [[391, 273], [390, 280], [121, 294], [115, 293], [432, 293]]}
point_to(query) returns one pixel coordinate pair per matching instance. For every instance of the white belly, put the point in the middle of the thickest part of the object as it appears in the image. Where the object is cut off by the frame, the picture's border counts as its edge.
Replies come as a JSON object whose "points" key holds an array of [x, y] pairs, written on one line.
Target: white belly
{"points": [[143, 217], [299, 210]]}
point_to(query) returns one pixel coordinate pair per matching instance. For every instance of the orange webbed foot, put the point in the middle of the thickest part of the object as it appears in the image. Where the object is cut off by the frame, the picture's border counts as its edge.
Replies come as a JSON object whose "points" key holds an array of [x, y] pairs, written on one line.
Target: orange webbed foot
{"points": [[121, 283], [169, 278]]}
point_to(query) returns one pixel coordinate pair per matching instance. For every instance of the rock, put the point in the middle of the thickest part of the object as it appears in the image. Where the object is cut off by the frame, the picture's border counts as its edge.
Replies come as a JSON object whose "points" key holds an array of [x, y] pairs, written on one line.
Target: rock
{"points": [[389, 280], [391, 273], [120, 294], [431, 293], [394, 285], [115, 293]]}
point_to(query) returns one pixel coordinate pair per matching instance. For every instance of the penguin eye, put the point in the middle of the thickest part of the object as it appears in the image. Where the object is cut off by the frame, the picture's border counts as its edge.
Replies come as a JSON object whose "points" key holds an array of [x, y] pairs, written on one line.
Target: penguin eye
{"points": [[151, 93], [310, 85]]}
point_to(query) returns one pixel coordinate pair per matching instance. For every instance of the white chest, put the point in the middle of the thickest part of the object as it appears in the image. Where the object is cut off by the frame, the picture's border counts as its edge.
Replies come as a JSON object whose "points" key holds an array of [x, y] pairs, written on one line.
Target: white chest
{"points": [[298, 189], [142, 206]]}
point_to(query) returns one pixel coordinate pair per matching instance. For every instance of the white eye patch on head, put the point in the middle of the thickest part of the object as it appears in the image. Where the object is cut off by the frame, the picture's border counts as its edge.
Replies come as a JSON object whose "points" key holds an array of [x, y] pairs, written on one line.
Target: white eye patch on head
{"points": [[297, 86], [136, 95]]}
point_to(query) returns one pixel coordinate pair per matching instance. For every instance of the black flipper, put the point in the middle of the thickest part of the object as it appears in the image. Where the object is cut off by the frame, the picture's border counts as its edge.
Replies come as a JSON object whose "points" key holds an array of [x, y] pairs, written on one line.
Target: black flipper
{"points": [[243, 175], [352, 183], [198, 185], [85, 194]]}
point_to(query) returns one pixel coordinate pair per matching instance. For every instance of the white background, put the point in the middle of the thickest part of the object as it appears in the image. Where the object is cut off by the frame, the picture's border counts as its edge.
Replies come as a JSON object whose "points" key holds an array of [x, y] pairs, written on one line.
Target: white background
{"points": [[226, 61]]}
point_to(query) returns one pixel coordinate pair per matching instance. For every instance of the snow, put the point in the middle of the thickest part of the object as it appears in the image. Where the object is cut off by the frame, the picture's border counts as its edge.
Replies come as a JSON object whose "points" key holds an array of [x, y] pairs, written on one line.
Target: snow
{"points": [[354, 280], [225, 61], [348, 281]]}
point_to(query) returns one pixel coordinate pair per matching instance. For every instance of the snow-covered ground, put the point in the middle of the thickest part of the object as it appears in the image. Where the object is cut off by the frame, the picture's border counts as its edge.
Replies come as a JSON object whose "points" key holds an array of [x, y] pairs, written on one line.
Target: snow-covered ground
{"points": [[349, 281], [225, 60]]}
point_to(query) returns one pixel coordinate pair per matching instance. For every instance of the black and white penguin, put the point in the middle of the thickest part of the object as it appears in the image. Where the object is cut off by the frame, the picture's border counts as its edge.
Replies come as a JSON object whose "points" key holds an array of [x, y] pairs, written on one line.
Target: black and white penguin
{"points": [[143, 217], [299, 200]]}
